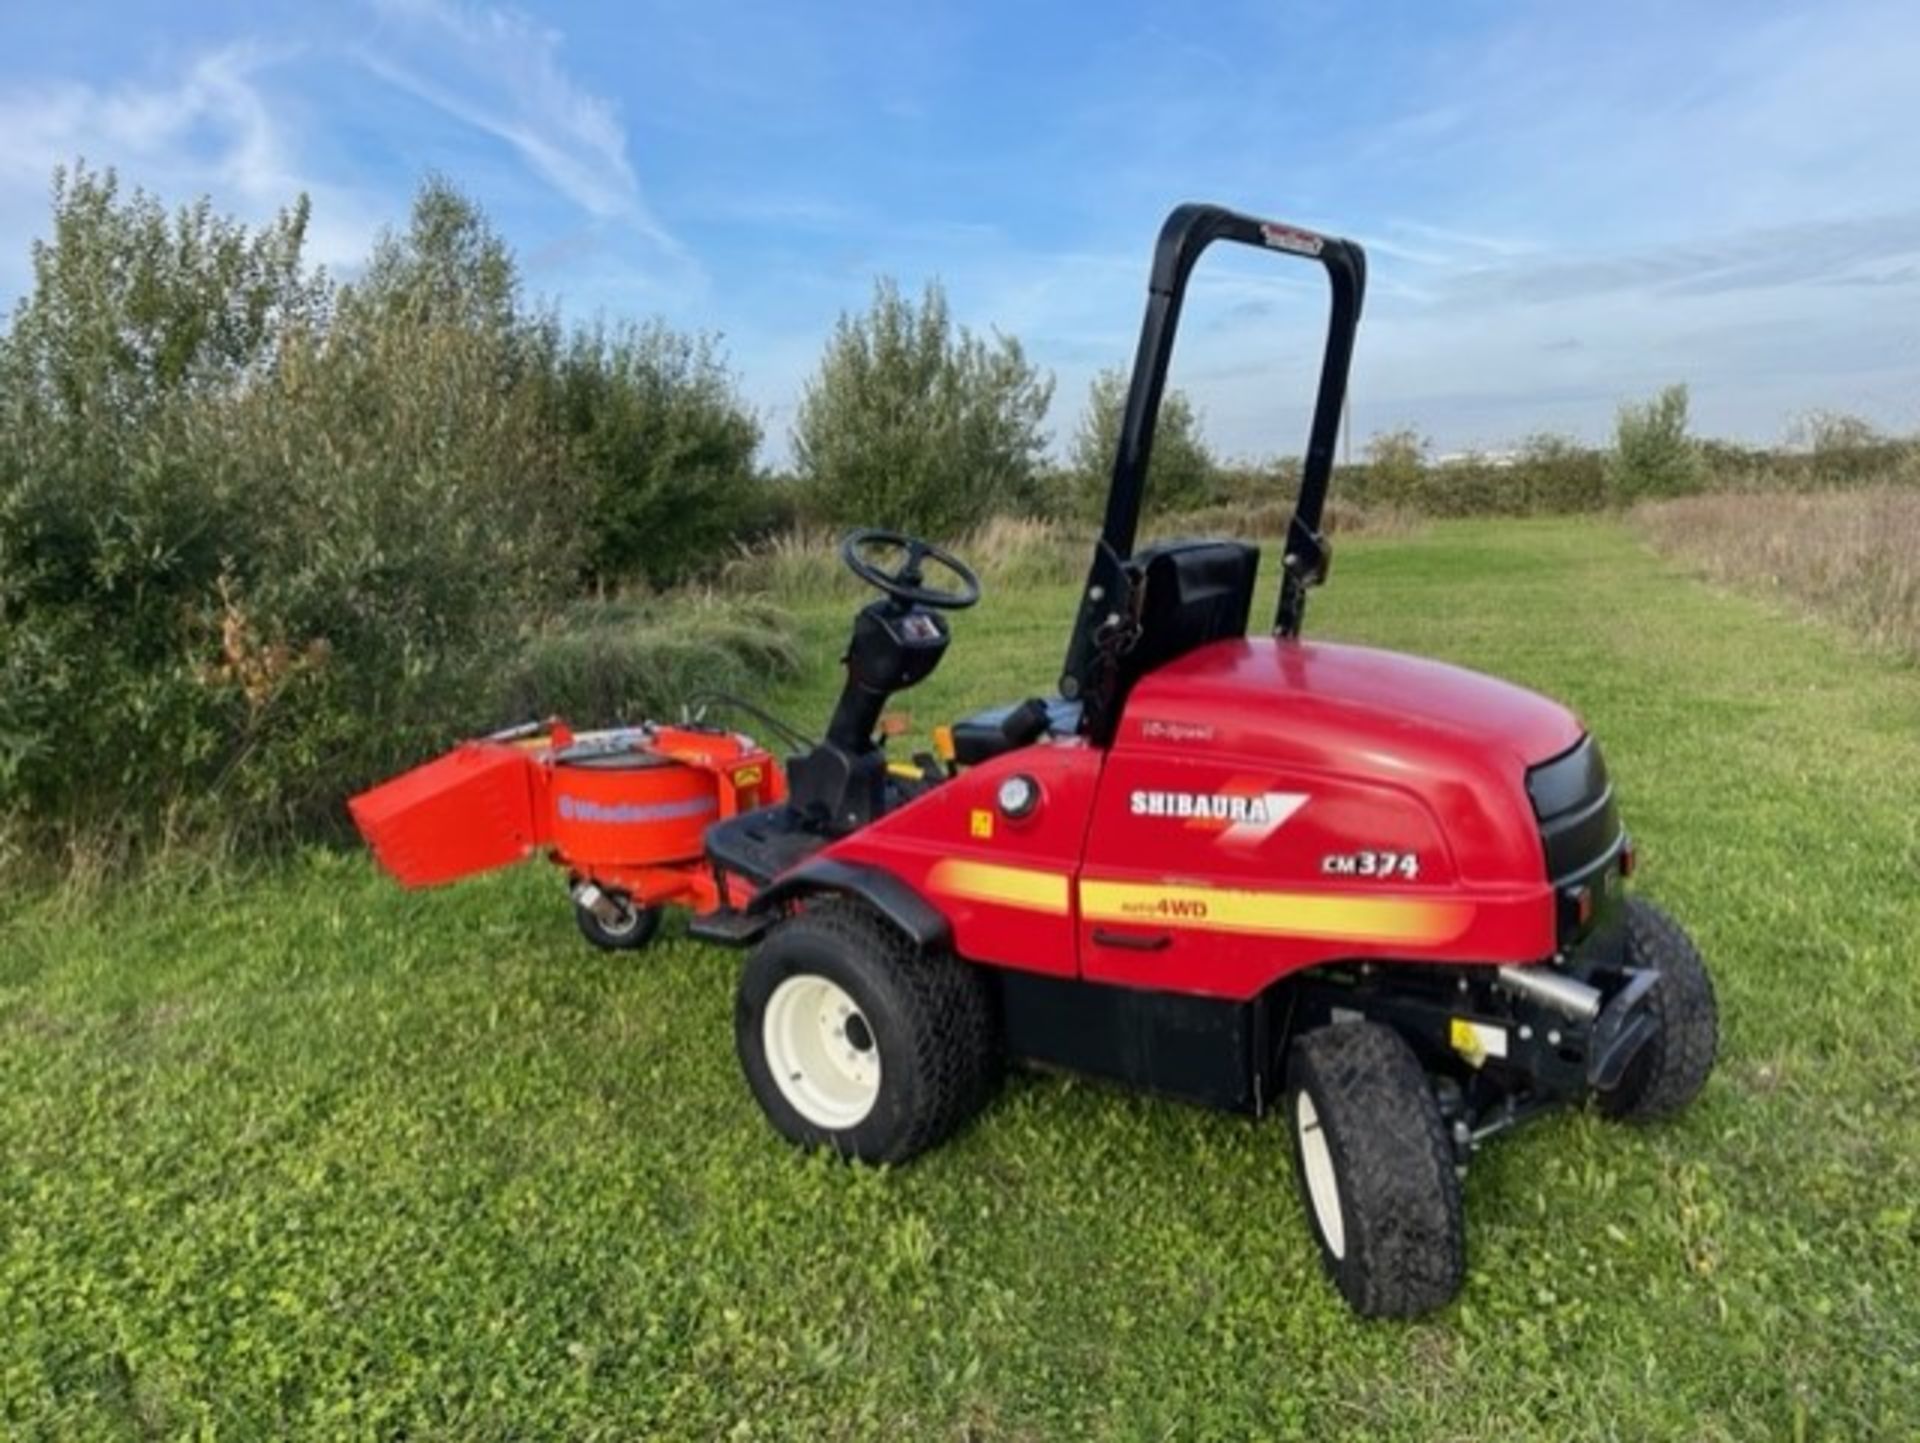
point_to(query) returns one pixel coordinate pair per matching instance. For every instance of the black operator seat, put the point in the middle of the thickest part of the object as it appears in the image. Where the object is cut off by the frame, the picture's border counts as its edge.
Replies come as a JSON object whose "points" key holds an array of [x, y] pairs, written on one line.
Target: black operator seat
{"points": [[1191, 593], [999, 729]]}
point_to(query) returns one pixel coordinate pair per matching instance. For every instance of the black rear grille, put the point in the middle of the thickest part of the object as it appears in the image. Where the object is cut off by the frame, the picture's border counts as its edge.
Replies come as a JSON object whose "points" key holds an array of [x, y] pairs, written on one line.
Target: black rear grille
{"points": [[1579, 823]]}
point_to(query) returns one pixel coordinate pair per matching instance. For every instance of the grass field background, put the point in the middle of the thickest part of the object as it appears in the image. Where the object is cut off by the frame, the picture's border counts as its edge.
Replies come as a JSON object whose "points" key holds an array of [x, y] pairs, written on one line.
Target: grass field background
{"points": [[296, 1153]]}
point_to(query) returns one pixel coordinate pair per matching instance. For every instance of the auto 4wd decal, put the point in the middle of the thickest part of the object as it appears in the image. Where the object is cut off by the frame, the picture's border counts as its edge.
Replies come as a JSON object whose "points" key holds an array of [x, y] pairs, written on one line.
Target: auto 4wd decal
{"points": [[1371, 918], [1242, 812]]}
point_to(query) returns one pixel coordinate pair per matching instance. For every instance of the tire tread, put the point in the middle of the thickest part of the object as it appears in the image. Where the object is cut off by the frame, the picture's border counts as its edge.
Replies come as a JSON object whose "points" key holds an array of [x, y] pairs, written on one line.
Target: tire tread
{"points": [[1400, 1195], [1680, 1058], [950, 1050]]}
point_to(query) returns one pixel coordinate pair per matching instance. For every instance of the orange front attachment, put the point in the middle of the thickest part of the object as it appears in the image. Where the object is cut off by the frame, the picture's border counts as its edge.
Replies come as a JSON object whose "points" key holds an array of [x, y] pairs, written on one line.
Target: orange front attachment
{"points": [[469, 811], [628, 809]]}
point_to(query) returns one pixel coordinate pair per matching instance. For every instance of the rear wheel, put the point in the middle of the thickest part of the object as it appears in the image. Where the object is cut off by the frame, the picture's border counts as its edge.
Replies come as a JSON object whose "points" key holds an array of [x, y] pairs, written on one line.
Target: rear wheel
{"points": [[628, 929], [854, 1039], [1671, 1069], [1375, 1170]]}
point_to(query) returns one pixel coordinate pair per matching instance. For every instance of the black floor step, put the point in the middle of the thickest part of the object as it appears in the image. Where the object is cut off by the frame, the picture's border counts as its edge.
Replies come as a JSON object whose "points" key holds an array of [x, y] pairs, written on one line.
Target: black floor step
{"points": [[761, 844], [728, 927]]}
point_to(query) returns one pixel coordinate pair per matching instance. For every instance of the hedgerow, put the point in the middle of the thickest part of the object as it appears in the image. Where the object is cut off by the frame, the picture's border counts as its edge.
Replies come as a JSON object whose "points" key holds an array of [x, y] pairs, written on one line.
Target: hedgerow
{"points": [[264, 537]]}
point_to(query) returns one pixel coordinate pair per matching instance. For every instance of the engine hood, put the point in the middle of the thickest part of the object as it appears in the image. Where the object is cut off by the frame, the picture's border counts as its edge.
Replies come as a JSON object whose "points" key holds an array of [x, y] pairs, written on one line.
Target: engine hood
{"points": [[1331, 707]]}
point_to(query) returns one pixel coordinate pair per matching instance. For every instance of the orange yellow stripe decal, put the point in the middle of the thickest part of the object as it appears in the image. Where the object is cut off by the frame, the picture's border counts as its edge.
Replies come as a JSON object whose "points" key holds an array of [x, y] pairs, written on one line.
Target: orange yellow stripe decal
{"points": [[1029, 888], [1404, 920]]}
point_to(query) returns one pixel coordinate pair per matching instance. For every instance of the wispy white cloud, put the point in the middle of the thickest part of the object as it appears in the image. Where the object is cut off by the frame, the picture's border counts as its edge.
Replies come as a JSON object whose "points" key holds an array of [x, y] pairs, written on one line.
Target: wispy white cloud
{"points": [[211, 118], [500, 72], [247, 124], [213, 129]]}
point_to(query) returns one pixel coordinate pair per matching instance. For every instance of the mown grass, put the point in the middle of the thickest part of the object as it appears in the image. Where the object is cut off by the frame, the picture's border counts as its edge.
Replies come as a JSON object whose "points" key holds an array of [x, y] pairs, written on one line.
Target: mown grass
{"points": [[299, 1154]]}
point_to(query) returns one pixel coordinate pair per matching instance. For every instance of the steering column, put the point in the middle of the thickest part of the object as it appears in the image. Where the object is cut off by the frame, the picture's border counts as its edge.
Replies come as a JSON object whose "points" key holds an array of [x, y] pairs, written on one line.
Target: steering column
{"points": [[897, 641]]}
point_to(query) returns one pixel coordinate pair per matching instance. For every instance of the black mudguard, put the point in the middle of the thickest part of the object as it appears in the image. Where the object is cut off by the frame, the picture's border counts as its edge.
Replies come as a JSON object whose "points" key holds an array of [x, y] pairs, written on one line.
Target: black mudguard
{"points": [[918, 919]]}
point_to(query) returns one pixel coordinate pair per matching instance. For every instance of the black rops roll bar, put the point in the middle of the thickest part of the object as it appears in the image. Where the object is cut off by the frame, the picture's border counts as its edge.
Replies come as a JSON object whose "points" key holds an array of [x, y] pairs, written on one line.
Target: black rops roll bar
{"points": [[1188, 231]]}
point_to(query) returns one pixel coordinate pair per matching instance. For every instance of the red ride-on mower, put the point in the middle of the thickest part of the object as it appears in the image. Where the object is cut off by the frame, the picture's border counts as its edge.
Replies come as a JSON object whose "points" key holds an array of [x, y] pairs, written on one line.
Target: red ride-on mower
{"points": [[1380, 895]]}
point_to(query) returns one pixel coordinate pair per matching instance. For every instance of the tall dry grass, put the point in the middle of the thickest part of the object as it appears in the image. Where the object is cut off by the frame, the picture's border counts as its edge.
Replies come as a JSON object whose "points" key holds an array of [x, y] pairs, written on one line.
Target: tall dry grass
{"points": [[1015, 552], [1852, 555], [627, 658]]}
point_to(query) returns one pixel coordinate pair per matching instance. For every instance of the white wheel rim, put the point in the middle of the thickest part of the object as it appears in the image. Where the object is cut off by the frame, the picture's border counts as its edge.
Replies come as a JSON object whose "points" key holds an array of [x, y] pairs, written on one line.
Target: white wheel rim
{"points": [[1323, 1187], [812, 1034]]}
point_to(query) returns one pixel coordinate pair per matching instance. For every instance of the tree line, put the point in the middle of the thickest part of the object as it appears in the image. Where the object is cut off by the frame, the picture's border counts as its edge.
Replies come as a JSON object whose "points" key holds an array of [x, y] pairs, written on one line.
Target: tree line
{"points": [[266, 534]]}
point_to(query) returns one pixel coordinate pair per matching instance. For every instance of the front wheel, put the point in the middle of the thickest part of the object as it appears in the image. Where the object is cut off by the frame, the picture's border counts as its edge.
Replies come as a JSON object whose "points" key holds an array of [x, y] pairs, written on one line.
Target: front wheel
{"points": [[853, 1039], [1671, 1069], [627, 929], [1375, 1170]]}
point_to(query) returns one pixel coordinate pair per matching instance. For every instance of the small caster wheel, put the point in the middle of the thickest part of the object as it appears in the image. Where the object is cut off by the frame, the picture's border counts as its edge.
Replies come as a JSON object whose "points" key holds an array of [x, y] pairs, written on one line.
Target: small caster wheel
{"points": [[610, 921]]}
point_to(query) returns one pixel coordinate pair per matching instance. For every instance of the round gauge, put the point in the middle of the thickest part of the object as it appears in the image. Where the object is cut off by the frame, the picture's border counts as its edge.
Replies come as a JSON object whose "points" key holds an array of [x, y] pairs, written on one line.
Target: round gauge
{"points": [[1018, 796]]}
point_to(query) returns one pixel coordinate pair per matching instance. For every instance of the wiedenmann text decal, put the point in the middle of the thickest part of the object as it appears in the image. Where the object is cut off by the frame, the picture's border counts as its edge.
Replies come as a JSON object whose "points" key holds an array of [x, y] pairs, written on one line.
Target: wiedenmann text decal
{"points": [[578, 809]]}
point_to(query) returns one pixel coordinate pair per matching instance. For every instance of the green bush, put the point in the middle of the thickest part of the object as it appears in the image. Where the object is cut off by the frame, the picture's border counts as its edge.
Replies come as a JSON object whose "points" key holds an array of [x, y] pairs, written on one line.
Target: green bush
{"points": [[117, 540], [1181, 471], [1249, 481], [912, 422], [657, 430], [264, 538], [1559, 475], [1652, 453], [1397, 461], [419, 509], [1825, 452]]}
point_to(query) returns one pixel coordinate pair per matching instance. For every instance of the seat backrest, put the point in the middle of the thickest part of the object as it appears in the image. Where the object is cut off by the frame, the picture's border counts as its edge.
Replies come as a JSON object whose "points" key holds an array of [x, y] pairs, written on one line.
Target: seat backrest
{"points": [[1192, 592]]}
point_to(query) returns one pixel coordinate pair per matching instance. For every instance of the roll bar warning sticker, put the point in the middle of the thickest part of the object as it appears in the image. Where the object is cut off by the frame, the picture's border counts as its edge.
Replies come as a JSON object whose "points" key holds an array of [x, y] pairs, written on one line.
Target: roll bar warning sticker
{"points": [[1287, 238]]}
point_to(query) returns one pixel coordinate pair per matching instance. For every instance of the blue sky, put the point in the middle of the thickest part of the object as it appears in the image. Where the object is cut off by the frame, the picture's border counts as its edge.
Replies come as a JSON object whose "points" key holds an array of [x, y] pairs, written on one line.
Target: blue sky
{"points": [[1565, 205]]}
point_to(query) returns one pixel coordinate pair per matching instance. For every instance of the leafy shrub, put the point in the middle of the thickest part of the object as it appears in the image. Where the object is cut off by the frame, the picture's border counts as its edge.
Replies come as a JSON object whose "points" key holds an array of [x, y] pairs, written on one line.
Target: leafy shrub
{"points": [[262, 538], [1397, 461], [1558, 475], [912, 422], [1825, 450], [1247, 481], [115, 541], [1181, 471], [419, 509], [665, 446], [1652, 453], [1545, 474]]}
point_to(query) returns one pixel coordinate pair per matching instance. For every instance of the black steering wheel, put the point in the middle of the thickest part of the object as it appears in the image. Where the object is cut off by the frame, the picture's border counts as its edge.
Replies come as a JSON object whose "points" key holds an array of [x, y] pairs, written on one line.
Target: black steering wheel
{"points": [[904, 582]]}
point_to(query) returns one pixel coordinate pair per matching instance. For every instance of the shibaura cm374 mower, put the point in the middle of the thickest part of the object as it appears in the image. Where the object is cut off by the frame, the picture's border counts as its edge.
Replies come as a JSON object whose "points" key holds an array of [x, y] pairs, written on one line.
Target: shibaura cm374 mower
{"points": [[1382, 896]]}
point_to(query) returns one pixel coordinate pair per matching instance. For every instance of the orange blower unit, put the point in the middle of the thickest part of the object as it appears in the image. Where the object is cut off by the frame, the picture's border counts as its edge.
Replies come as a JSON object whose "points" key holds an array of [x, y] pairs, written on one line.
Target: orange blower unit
{"points": [[624, 811]]}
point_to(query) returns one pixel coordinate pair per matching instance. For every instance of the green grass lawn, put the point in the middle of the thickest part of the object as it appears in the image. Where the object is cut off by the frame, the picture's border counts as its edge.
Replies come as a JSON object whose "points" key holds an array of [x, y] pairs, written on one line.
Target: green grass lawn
{"points": [[302, 1154]]}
